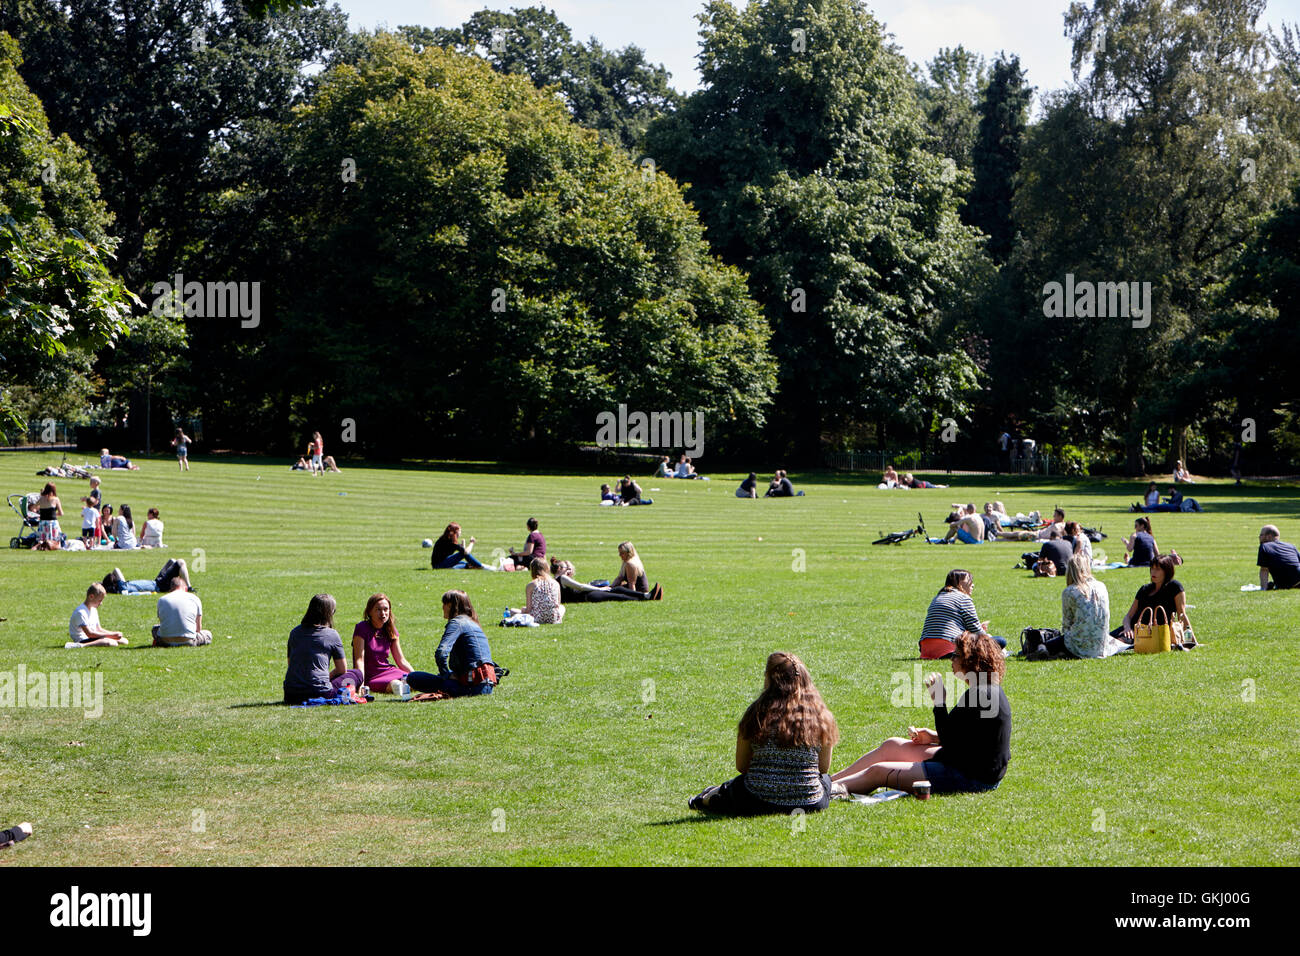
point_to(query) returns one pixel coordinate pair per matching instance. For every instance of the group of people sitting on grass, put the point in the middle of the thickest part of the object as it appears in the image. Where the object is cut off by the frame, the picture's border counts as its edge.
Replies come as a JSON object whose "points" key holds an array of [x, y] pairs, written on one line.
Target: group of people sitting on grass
{"points": [[318, 668], [626, 492], [1175, 502], [548, 578], [891, 479], [180, 612], [99, 527], [685, 468], [786, 737]]}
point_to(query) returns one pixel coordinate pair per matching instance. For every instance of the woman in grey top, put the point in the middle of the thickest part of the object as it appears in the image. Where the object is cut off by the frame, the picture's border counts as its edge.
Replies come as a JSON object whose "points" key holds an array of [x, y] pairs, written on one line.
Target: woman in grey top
{"points": [[783, 748]]}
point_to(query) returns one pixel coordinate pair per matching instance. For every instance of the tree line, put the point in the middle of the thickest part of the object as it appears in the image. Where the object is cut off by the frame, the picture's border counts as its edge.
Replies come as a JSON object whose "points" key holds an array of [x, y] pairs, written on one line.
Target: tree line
{"points": [[478, 239]]}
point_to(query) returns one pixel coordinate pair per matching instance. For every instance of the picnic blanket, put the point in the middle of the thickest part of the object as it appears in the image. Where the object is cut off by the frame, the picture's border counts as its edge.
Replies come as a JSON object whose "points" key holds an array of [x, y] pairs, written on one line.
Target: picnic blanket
{"points": [[1111, 567], [880, 796], [342, 697]]}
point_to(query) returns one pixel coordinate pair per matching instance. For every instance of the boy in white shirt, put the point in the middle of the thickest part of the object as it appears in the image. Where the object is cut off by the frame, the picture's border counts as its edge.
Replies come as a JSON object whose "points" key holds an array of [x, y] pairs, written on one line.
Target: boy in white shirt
{"points": [[84, 627], [89, 521]]}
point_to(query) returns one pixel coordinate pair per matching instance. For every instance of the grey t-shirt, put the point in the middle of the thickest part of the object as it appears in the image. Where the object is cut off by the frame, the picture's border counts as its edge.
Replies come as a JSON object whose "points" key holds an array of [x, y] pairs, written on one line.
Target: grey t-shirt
{"points": [[178, 614], [312, 652]]}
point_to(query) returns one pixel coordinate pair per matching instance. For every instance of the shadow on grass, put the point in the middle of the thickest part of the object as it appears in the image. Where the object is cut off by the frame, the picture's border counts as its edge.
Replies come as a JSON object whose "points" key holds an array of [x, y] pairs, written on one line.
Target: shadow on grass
{"points": [[698, 818], [259, 703]]}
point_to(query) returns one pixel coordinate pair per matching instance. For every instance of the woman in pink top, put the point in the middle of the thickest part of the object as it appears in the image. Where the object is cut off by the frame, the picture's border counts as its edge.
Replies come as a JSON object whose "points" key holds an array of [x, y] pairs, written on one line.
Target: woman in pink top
{"points": [[373, 640]]}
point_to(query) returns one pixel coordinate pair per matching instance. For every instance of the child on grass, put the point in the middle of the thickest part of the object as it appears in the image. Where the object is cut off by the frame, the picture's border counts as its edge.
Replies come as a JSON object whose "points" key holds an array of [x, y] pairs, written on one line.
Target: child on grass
{"points": [[84, 629]]}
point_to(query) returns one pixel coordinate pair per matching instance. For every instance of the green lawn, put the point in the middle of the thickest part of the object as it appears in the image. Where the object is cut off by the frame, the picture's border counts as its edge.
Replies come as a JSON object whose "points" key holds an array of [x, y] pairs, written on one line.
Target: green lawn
{"points": [[609, 722]]}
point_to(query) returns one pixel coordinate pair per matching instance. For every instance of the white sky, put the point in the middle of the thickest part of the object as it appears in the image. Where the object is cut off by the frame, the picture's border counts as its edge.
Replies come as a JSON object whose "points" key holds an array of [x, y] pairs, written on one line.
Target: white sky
{"points": [[668, 32]]}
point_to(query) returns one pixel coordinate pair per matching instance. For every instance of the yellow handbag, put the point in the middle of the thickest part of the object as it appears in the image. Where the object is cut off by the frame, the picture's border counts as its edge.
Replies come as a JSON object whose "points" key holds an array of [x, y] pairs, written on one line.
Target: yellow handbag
{"points": [[1152, 636]]}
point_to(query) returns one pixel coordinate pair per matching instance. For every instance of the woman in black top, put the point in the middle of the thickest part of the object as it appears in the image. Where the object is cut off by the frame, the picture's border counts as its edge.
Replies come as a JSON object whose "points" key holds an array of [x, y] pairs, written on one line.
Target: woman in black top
{"points": [[749, 487], [448, 553], [48, 509], [1163, 592], [1142, 544], [970, 747]]}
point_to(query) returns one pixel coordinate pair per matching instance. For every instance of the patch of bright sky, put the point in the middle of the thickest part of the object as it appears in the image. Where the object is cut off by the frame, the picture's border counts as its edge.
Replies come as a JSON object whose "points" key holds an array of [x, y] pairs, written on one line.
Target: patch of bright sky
{"points": [[668, 32]]}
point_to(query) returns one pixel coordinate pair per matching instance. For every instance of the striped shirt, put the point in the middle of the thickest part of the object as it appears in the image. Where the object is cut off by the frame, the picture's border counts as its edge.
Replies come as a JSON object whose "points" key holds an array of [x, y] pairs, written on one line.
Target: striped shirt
{"points": [[785, 776], [951, 612]]}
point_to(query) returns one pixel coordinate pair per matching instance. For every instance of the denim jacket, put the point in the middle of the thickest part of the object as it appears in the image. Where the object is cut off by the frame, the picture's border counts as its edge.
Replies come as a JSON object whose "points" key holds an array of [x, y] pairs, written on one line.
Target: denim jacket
{"points": [[463, 647]]}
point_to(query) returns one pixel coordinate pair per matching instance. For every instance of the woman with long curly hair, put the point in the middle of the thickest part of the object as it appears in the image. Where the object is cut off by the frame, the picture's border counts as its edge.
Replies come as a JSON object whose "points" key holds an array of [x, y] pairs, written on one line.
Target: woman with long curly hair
{"points": [[783, 748], [968, 751]]}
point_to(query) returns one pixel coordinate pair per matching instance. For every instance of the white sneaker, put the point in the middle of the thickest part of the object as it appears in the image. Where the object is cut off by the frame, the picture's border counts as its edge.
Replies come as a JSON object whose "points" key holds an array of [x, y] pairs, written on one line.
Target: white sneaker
{"points": [[70, 644]]}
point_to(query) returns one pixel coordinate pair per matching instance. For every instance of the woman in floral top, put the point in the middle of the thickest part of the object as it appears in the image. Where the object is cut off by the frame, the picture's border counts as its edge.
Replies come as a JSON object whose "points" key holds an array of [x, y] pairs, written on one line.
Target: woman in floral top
{"points": [[1085, 616], [542, 595]]}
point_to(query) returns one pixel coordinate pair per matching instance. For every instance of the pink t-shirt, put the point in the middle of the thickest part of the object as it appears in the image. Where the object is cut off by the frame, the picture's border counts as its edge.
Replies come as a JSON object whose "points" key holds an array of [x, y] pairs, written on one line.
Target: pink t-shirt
{"points": [[376, 648]]}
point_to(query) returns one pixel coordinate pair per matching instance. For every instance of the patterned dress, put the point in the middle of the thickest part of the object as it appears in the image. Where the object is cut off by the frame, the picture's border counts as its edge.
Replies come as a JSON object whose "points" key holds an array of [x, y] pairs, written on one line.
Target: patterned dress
{"points": [[545, 602], [1085, 622]]}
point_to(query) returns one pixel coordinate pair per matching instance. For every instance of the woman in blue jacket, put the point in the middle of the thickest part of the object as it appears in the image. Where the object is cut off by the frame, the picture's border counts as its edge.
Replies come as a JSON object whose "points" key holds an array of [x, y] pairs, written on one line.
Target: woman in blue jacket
{"points": [[464, 659]]}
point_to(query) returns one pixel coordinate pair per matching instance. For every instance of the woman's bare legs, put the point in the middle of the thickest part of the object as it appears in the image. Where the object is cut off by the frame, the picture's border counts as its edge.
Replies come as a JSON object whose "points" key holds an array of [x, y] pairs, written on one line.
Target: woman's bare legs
{"points": [[895, 750], [895, 774]]}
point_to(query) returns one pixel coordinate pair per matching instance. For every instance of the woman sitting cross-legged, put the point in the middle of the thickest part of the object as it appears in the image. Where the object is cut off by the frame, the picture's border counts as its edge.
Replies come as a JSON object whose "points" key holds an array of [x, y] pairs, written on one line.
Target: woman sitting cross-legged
{"points": [[465, 667], [783, 748], [1085, 616], [542, 595], [969, 748], [448, 554], [317, 667], [373, 640]]}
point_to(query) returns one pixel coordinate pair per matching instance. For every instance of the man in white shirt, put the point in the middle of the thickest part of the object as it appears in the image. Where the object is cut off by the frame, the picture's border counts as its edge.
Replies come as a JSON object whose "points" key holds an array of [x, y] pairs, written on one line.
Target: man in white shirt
{"points": [[180, 618], [84, 629]]}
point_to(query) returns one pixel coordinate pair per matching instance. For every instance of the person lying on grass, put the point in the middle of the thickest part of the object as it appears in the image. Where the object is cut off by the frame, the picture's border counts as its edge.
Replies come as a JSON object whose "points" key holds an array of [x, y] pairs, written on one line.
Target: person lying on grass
{"points": [[1162, 592], [783, 748], [969, 748], [84, 629], [115, 581], [317, 667], [373, 639], [951, 612], [541, 595]]}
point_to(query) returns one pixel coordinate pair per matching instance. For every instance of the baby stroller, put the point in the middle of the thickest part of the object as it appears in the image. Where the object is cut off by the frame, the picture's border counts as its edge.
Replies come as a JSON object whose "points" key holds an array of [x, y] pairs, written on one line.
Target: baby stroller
{"points": [[24, 506]]}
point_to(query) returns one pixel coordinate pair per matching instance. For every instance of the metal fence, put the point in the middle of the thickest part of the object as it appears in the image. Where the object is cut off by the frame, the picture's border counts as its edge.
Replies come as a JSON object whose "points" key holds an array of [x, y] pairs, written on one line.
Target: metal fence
{"points": [[40, 433]]}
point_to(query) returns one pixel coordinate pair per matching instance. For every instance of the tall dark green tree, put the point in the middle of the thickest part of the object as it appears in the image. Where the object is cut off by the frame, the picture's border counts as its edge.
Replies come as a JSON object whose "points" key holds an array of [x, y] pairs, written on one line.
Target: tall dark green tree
{"points": [[804, 152], [1003, 112]]}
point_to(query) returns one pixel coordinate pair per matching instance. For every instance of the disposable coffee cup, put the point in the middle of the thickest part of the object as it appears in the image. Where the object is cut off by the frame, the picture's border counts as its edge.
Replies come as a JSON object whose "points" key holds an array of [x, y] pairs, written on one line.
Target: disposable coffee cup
{"points": [[921, 789]]}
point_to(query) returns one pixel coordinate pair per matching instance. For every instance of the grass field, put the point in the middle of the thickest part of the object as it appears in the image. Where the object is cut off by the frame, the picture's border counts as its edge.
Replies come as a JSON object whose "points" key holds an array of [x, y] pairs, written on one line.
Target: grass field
{"points": [[608, 722]]}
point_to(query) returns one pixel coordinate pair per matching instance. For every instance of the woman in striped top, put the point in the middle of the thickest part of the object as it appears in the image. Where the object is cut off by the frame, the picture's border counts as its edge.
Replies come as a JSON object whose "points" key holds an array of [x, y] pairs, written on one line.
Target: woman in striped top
{"points": [[783, 748], [951, 612]]}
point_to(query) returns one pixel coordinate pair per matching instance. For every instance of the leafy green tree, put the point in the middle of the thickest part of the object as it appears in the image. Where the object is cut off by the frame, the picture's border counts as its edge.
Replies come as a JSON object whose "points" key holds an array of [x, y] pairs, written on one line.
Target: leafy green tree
{"points": [[1003, 115], [804, 152], [58, 298], [615, 92], [483, 271], [159, 94], [1155, 168], [949, 100]]}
